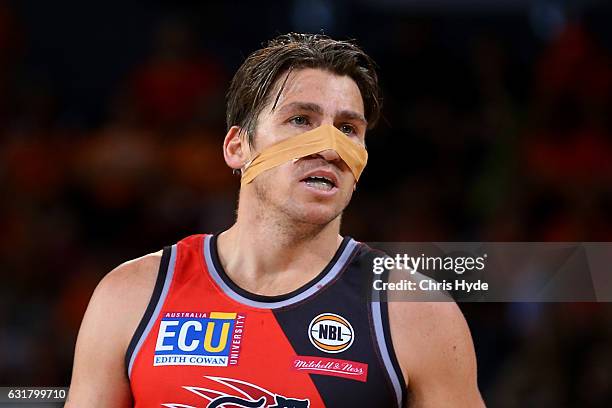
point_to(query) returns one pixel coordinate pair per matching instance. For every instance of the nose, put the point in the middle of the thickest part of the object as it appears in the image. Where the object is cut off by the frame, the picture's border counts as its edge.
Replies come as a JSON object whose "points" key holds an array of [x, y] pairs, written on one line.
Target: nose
{"points": [[329, 155]]}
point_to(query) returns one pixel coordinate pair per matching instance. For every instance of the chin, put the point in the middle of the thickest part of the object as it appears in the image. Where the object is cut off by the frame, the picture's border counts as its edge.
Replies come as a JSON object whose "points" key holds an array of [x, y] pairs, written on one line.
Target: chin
{"points": [[317, 214], [318, 219], [306, 208]]}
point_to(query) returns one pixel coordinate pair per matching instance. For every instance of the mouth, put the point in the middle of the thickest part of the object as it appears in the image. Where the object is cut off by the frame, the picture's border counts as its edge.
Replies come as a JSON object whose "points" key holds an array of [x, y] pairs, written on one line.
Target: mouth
{"points": [[321, 180]]}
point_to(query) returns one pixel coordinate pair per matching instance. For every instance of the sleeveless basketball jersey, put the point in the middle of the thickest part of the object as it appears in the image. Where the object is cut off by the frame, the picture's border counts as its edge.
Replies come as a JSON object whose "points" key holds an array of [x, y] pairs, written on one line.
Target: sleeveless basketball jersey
{"points": [[205, 342]]}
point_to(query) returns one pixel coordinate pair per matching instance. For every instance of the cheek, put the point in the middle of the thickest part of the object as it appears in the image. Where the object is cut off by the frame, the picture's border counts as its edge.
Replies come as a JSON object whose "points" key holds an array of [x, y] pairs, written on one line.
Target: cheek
{"points": [[276, 179], [348, 180], [348, 194]]}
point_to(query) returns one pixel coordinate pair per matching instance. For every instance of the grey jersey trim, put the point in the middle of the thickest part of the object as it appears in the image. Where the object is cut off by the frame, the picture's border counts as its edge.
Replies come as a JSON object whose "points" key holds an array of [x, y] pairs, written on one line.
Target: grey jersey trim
{"points": [[384, 351], [158, 307], [333, 273]]}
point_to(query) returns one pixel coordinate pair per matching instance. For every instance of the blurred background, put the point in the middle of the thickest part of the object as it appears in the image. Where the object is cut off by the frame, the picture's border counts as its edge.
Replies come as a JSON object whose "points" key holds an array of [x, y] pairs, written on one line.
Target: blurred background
{"points": [[497, 127]]}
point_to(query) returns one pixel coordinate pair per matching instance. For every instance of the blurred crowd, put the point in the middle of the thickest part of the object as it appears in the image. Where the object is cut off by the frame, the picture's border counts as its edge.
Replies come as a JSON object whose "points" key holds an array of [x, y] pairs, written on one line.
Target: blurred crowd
{"points": [[488, 134]]}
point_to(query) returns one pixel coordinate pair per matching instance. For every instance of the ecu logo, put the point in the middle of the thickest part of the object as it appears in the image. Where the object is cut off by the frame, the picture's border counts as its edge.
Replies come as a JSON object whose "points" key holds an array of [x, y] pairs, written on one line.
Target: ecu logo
{"points": [[200, 339]]}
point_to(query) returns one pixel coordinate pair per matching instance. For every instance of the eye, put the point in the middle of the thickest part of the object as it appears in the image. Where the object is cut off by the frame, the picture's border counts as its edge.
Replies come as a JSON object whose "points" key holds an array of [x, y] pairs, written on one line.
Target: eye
{"points": [[299, 120], [348, 129]]}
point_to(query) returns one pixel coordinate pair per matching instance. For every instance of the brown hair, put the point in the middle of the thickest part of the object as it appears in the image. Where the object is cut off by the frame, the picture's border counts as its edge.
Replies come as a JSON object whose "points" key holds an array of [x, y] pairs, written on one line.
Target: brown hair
{"points": [[250, 88]]}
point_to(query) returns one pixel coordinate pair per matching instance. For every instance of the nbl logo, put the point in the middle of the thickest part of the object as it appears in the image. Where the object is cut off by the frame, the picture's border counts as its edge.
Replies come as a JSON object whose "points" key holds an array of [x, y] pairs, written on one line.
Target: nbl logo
{"points": [[199, 339], [331, 333]]}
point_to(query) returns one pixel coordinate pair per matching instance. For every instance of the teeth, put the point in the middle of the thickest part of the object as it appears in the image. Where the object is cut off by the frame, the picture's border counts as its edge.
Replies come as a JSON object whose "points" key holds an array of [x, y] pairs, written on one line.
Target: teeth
{"points": [[321, 183], [321, 178]]}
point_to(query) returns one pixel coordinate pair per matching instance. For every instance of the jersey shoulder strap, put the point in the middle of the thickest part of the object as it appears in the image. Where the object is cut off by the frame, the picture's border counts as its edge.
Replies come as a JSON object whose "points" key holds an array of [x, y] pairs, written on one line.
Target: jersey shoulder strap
{"points": [[189, 248]]}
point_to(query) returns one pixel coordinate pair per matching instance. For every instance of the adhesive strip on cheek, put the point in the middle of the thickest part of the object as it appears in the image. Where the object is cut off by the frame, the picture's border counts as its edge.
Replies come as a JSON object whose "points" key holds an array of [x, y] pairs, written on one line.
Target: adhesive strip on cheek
{"points": [[314, 141]]}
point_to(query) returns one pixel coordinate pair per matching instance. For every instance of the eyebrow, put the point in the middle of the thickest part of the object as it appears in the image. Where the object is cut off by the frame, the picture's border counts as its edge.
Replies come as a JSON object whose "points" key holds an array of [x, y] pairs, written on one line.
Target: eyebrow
{"points": [[313, 107], [351, 115]]}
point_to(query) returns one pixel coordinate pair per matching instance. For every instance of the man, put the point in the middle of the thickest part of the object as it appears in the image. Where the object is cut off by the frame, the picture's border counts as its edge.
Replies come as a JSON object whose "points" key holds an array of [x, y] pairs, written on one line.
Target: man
{"points": [[277, 310]]}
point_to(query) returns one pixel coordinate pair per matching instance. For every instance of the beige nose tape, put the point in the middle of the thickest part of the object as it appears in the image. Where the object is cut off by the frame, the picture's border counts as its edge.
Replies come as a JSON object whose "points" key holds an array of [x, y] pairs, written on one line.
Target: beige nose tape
{"points": [[324, 137]]}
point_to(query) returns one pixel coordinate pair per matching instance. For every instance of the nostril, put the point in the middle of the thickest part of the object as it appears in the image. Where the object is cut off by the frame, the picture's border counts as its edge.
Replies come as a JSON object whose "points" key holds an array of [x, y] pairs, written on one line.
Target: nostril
{"points": [[329, 155]]}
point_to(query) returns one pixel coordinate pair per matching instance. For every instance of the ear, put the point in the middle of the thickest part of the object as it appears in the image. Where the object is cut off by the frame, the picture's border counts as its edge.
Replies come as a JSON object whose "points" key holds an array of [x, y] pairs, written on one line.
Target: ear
{"points": [[235, 148]]}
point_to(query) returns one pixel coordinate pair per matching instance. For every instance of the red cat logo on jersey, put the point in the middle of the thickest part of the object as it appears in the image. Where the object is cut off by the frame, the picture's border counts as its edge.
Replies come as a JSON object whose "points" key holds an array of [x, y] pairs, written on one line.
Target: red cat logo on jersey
{"points": [[200, 339], [240, 394]]}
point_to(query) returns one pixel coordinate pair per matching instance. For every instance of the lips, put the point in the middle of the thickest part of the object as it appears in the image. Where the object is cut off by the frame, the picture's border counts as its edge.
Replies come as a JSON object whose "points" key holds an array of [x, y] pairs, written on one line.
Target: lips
{"points": [[321, 177]]}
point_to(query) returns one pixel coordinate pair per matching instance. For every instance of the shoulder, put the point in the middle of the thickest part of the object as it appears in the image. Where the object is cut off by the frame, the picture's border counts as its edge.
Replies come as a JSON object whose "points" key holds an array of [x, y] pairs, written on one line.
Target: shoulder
{"points": [[135, 274], [427, 322], [121, 297], [133, 277], [114, 311], [434, 349], [431, 339]]}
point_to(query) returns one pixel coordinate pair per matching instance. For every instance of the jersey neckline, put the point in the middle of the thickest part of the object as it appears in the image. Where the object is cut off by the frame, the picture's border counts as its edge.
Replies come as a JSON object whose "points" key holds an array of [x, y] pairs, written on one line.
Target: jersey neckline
{"points": [[231, 289]]}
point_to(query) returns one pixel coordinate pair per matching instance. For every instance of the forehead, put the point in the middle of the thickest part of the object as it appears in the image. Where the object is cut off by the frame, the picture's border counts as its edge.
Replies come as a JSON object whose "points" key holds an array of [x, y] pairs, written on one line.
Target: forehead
{"points": [[333, 93]]}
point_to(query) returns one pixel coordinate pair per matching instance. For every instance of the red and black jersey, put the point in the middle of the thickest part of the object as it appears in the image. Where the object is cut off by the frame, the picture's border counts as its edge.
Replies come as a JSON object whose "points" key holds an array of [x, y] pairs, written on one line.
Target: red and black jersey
{"points": [[205, 342]]}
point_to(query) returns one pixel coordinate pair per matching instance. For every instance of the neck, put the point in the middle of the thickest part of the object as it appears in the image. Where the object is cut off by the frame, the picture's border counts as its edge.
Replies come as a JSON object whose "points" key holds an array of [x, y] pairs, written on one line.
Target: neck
{"points": [[271, 256]]}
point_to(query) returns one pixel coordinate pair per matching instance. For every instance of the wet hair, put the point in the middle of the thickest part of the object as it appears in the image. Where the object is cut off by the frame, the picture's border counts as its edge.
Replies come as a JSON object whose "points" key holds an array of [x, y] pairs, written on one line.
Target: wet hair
{"points": [[250, 88]]}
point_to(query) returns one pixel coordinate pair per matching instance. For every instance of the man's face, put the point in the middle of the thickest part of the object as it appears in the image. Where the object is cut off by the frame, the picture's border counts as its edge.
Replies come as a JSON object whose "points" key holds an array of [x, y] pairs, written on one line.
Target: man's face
{"points": [[309, 99]]}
